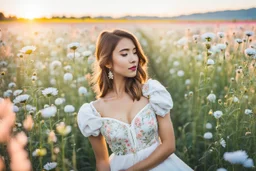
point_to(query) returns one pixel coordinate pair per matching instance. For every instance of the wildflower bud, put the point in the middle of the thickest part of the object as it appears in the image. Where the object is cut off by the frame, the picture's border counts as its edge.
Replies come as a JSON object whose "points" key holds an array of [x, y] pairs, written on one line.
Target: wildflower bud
{"points": [[179, 128], [226, 96], [52, 137], [34, 78], [220, 101], [56, 150], [217, 127], [2, 73], [225, 104], [186, 96], [209, 53], [190, 93], [208, 45], [210, 112], [201, 74], [34, 74], [28, 123], [247, 133], [232, 79]]}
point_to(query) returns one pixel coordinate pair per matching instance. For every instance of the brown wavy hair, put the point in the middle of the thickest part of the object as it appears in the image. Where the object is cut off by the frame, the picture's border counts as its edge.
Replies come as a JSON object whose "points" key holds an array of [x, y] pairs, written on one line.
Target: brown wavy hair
{"points": [[105, 45]]}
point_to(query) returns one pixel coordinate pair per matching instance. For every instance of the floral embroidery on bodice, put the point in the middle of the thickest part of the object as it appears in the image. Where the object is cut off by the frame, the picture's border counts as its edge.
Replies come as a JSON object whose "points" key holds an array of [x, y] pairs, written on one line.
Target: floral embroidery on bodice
{"points": [[141, 133], [124, 138]]}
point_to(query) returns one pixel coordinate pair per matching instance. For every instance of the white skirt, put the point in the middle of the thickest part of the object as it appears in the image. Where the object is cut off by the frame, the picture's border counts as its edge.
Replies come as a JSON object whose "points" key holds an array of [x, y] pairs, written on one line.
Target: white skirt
{"points": [[122, 162]]}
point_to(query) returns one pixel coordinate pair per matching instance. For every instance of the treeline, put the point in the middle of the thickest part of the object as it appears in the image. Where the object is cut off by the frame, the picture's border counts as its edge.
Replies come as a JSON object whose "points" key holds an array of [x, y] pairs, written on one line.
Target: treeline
{"points": [[11, 18]]}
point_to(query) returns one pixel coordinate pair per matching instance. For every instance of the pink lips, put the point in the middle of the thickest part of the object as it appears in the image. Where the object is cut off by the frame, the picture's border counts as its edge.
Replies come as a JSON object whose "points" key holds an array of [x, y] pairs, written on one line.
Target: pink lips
{"points": [[133, 68]]}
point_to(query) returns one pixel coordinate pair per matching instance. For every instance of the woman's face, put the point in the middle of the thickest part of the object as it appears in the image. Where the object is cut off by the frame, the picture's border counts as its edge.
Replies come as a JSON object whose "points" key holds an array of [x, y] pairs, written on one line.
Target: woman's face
{"points": [[124, 57]]}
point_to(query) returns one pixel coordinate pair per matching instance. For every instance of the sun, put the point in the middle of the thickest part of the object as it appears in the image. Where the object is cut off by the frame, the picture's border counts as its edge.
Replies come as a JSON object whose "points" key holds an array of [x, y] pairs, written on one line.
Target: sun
{"points": [[31, 12]]}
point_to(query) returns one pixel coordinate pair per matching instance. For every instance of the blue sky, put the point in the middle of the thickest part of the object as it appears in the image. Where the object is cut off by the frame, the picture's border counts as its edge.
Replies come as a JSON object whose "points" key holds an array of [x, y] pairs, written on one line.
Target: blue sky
{"points": [[117, 8]]}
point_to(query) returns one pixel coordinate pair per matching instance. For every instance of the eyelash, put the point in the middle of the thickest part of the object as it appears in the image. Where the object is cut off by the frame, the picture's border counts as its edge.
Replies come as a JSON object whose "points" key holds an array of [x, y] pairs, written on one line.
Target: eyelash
{"points": [[126, 54]]}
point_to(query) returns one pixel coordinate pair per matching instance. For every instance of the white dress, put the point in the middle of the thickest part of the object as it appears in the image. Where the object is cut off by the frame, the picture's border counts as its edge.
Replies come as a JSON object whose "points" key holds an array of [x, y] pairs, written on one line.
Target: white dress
{"points": [[131, 143]]}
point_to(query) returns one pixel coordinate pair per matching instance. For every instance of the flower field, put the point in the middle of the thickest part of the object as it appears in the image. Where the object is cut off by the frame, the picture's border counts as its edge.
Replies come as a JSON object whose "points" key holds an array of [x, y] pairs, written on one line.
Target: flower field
{"points": [[209, 69]]}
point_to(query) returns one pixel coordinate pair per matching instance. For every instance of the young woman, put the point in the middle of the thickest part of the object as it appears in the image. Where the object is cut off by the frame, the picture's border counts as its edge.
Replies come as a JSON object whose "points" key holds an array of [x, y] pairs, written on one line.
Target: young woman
{"points": [[131, 113]]}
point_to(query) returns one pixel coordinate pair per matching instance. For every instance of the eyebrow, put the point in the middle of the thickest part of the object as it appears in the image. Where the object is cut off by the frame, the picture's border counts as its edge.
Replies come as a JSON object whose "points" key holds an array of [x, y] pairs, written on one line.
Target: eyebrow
{"points": [[126, 49]]}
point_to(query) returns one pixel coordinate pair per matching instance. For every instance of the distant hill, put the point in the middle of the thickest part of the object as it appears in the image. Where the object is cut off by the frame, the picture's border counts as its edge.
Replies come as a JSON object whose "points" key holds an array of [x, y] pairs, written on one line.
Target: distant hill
{"points": [[242, 14], [226, 15]]}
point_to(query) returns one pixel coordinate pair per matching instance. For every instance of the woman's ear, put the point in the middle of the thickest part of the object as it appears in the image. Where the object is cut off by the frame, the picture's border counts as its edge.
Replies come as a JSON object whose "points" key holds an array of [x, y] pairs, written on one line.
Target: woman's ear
{"points": [[108, 66]]}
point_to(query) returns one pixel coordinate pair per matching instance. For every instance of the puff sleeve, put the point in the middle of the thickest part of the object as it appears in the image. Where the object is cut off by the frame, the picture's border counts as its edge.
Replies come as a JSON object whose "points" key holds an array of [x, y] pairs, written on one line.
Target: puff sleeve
{"points": [[89, 122], [159, 98]]}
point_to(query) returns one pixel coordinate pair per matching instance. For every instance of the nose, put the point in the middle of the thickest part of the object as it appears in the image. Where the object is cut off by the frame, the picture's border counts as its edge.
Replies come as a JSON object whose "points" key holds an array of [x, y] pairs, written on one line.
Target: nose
{"points": [[133, 58]]}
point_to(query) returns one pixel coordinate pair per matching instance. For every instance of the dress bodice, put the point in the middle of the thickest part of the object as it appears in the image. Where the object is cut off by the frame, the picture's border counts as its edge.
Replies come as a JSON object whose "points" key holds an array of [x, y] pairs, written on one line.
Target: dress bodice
{"points": [[124, 138]]}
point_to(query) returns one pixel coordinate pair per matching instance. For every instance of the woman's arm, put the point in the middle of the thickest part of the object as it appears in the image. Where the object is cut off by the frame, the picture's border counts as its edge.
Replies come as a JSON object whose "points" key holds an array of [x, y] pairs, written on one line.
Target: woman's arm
{"points": [[101, 152], [164, 150]]}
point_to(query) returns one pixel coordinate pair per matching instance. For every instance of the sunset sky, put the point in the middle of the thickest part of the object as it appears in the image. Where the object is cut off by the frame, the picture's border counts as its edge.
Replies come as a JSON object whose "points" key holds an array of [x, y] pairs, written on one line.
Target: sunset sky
{"points": [[116, 8]]}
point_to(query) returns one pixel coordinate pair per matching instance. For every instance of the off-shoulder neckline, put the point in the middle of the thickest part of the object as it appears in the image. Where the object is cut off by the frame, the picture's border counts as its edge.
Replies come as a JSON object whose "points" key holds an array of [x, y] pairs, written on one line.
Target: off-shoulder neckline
{"points": [[109, 118]]}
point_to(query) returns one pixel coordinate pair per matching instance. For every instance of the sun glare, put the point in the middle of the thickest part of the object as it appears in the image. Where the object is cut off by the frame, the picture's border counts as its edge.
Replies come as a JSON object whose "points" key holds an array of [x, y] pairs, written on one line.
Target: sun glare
{"points": [[31, 12]]}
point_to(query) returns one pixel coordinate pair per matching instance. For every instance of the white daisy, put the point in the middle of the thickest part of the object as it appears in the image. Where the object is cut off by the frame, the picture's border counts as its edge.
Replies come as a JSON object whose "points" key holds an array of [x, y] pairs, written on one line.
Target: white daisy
{"points": [[208, 36], [49, 111], [68, 77], [183, 41], [211, 97], [221, 169], [30, 107], [34, 78], [248, 163], [235, 99], [208, 135], [208, 125], [82, 91], [221, 34], [15, 108], [239, 41], [180, 73], [236, 157], [53, 81], [55, 64], [11, 85], [210, 62], [28, 49], [3, 63], [195, 37], [67, 68], [187, 82], [72, 55], [69, 109], [21, 99], [50, 166], [222, 46], [50, 91], [250, 52], [217, 114], [249, 33], [222, 142], [87, 53], [248, 111], [74, 45], [7, 93], [59, 101]]}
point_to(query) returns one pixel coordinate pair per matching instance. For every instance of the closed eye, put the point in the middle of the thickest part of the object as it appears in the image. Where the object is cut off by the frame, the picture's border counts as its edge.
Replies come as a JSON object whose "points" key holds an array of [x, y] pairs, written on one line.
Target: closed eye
{"points": [[126, 54]]}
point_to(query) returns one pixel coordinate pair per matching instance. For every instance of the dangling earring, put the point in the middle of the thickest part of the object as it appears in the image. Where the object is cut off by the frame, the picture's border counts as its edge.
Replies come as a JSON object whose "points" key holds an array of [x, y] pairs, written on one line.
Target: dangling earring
{"points": [[110, 75]]}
